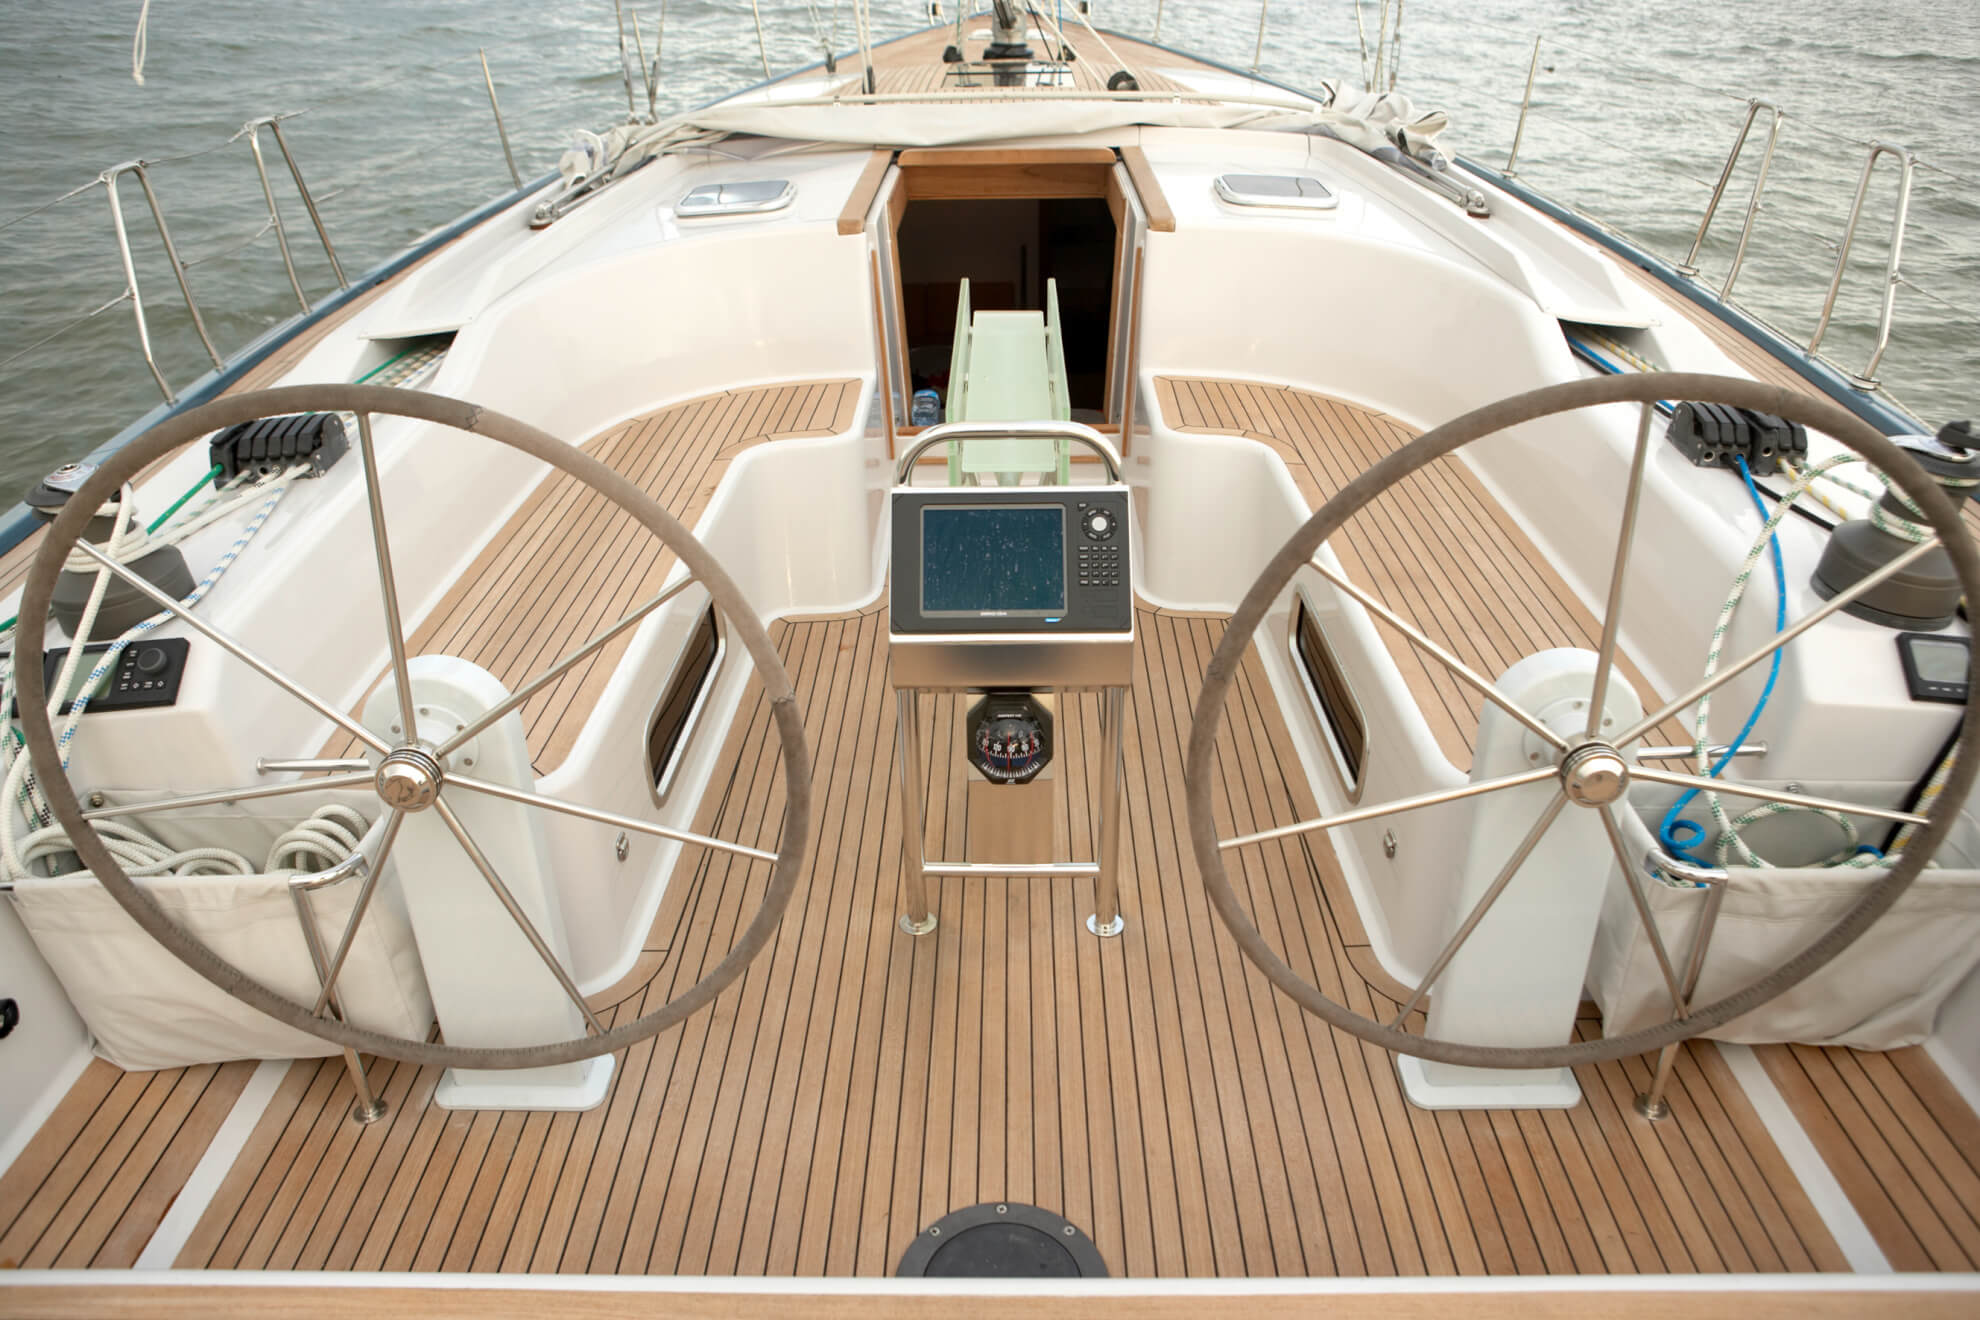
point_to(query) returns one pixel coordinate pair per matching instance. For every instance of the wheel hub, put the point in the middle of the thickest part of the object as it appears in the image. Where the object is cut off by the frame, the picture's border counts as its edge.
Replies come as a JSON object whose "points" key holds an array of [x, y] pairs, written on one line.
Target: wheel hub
{"points": [[1594, 775], [409, 779]]}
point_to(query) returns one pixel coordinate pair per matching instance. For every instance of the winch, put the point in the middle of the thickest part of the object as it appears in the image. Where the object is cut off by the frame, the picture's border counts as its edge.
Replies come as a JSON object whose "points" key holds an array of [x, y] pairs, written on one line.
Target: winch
{"points": [[1924, 596]]}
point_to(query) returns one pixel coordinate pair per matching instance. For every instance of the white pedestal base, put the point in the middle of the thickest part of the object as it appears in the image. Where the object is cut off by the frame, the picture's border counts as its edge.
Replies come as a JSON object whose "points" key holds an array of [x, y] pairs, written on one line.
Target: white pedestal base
{"points": [[1446, 1086], [1517, 979], [490, 986], [565, 1086]]}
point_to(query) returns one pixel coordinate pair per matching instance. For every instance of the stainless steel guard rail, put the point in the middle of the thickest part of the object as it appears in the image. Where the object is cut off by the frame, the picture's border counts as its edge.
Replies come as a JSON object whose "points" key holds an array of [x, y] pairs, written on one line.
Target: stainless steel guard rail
{"points": [[109, 180], [1689, 265], [251, 130], [1893, 276], [949, 431]]}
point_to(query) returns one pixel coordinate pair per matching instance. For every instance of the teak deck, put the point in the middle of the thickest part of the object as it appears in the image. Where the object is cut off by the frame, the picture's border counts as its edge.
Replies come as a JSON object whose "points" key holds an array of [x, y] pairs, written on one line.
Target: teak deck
{"points": [[515, 612], [1437, 548], [859, 1084]]}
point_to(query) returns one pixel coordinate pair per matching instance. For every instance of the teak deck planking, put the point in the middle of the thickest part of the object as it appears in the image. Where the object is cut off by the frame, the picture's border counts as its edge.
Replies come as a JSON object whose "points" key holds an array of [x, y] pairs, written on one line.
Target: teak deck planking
{"points": [[858, 1084], [516, 610], [914, 63], [1436, 548]]}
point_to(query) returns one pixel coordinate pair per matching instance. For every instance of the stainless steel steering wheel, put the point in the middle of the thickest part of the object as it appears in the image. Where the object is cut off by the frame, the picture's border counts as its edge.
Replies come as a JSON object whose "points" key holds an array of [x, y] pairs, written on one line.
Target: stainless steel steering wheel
{"points": [[1590, 760], [412, 776]]}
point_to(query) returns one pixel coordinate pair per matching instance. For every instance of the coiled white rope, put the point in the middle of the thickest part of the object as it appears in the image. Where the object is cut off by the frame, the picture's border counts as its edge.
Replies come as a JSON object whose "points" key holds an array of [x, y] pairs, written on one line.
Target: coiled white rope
{"points": [[326, 838]]}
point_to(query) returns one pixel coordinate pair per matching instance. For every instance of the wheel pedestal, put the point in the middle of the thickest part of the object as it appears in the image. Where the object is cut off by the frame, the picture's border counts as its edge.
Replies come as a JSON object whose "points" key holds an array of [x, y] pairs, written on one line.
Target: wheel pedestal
{"points": [[1518, 979], [489, 986]]}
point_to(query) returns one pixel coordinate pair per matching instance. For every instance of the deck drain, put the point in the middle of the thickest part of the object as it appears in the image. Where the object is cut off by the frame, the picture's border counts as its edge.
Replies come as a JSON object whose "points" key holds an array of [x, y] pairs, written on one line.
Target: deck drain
{"points": [[1002, 1240]]}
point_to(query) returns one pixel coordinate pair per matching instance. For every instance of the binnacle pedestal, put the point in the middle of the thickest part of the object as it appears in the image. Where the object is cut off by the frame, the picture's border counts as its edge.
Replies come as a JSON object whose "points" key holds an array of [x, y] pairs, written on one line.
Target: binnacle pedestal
{"points": [[1010, 593], [490, 986], [1517, 979]]}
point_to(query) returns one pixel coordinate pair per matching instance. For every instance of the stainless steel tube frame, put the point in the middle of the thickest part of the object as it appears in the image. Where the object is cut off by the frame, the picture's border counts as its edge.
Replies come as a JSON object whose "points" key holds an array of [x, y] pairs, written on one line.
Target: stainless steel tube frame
{"points": [[109, 180], [369, 1107], [1651, 1104], [918, 918], [949, 431]]}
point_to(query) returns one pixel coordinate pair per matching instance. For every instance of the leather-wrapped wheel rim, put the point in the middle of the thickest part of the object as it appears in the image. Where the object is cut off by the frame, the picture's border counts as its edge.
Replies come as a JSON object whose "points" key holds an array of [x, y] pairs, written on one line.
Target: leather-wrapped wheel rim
{"points": [[1644, 389], [462, 416]]}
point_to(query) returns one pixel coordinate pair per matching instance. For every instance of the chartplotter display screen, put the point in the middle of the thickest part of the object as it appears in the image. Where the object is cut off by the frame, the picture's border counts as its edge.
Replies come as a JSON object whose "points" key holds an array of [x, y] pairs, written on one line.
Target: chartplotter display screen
{"points": [[990, 560]]}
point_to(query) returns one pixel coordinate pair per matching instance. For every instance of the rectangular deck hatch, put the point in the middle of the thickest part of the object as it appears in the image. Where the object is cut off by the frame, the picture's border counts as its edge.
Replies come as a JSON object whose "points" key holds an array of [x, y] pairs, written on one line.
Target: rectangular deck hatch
{"points": [[1301, 192], [746, 197]]}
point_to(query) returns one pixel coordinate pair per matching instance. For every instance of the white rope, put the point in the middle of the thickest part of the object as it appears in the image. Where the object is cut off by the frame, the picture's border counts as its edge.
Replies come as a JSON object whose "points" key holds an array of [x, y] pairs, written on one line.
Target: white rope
{"points": [[139, 43], [762, 50], [1132, 71], [863, 20], [1361, 35], [1395, 47], [331, 834]]}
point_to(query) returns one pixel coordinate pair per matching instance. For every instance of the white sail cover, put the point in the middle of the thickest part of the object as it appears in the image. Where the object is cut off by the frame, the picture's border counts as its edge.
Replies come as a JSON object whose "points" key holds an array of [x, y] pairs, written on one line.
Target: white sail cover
{"points": [[1368, 121]]}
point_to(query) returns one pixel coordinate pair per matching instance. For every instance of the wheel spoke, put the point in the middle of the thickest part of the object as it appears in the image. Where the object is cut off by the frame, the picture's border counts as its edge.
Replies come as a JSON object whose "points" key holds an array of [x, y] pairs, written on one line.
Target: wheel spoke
{"points": [[1484, 905], [229, 795], [556, 671], [312, 765], [1643, 909], [1731, 789], [1612, 615], [606, 817], [516, 914], [238, 651], [1484, 685], [388, 587], [1841, 600], [358, 908], [1359, 814]]}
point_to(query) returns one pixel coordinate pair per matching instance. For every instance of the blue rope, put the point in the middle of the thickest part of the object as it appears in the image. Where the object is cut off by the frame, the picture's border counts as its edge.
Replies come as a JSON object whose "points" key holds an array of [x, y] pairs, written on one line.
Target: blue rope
{"points": [[1594, 359], [1695, 833]]}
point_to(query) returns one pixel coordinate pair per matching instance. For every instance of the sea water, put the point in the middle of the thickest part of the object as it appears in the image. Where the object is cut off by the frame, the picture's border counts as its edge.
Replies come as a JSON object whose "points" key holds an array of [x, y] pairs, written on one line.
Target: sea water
{"points": [[1633, 110]]}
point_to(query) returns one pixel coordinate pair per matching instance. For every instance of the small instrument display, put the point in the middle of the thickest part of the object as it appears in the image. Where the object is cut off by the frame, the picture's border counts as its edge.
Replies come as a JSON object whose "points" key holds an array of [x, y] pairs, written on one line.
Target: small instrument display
{"points": [[1935, 666], [147, 673]]}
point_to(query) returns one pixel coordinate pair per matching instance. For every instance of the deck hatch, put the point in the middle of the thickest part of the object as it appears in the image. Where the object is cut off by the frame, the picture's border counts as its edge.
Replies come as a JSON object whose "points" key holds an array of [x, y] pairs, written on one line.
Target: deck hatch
{"points": [[1301, 192], [748, 197]]}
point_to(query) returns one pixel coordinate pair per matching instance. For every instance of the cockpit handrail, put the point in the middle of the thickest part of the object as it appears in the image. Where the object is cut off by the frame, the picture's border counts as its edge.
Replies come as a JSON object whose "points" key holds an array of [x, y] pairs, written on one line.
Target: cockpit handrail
{"points": [[949, 431]]}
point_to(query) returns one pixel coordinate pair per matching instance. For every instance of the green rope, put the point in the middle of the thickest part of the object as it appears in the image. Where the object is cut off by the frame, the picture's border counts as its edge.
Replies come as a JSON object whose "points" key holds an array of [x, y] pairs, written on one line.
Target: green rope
{"points": [[180, 503], [386, 363]]}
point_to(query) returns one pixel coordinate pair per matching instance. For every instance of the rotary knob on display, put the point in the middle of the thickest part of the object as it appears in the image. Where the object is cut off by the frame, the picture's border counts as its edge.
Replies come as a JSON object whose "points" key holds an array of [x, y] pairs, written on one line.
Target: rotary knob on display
{"points": [[150, 660]]}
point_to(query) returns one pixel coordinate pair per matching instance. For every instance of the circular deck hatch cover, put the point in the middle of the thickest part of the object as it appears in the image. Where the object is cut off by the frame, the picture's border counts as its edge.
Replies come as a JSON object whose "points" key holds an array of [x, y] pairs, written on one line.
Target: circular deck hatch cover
{"points": [[1002, 1240]]}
